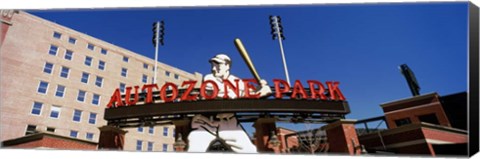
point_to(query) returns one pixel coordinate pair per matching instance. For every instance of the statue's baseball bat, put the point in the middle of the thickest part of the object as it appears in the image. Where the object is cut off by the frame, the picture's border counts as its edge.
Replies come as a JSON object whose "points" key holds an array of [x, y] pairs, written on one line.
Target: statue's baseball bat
{"points": [[246, 58]]}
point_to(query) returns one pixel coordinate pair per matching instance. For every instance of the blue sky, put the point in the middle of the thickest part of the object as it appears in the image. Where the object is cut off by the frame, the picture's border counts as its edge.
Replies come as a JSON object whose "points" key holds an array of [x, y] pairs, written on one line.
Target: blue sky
{"points": [[361, 46]]}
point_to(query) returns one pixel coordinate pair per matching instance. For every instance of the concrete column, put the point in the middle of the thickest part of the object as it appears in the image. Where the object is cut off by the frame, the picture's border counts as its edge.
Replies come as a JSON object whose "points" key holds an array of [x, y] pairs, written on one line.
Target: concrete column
{"points": [[111, 138], [263, 129], [342, 137]]}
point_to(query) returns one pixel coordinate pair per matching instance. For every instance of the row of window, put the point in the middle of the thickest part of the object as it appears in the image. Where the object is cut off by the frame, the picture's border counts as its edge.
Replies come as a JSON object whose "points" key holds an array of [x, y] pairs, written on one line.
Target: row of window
{"points": [[151, 130], [69, 56], [55, 112], [32, 129], [73, 41], [149, 146], [60, 92]]}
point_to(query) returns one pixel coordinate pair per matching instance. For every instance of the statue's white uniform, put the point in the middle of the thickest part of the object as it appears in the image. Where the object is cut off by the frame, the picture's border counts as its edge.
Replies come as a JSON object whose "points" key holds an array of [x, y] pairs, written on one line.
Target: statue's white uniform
{"points": [[228, 127]]}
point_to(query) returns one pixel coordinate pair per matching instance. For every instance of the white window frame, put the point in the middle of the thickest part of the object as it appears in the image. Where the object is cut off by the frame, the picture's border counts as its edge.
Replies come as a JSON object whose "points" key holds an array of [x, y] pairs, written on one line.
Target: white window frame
{"points": [[33, 107], [122, 72], [90, 63], [150, 145], [88, 77], [125, 59], [144, 78], [68, 72], [90, 44], [137, 145], [46, 89], [80, 117], [65, 56], [165, 128], [50, 49], [63, 93], [124, 87], [74, 40], [99, 98], [51, 69], [101, 51], [88, 133], [84, 96], [52, 109], [104, 65], [57, 33], [76, 136], [90, 118], [101, 81]]}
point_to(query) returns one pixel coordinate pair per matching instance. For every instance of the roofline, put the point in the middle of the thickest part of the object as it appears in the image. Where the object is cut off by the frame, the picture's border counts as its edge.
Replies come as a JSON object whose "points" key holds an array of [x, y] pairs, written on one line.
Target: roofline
{"points": [[409, 99]]}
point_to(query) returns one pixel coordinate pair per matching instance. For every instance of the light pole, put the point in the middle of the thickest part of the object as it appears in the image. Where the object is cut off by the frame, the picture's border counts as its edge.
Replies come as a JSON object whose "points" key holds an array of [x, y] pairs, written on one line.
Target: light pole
{"points": [[277, 32], [158, 32]]}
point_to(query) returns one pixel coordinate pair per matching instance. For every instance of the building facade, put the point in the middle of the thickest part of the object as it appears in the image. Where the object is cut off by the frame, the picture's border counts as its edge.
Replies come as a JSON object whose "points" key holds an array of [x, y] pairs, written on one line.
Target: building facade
{"points": [[58, 80]]}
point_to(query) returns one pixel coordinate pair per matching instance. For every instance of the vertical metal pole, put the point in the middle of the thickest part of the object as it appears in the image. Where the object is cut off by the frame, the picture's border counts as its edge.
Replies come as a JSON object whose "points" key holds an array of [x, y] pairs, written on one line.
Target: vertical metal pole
{"points": [[281, 50], [156, 53]]}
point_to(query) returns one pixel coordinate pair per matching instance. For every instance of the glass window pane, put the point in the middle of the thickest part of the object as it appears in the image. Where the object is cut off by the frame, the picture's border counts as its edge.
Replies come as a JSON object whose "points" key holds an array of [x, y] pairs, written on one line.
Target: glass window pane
{"points": [[72, 40], [90, 46], [81, 96], [101, 65], [88, 61], [96, 99], [48, 68], [103, 51], [55, 112], [68, 55], [64, 72], [57, 35], [42, 87], [77, 115], [93, 118], [99, 81], [73, 134], [60, 91], [85, 77], [53, 50], [37, 108]]}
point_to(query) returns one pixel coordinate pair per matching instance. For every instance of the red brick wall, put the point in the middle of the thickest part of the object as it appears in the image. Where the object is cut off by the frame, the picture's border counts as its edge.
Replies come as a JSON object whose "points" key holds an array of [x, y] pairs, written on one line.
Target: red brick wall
{"points": [[57, 143], [413, 114], [340, 139], [445, 136]]}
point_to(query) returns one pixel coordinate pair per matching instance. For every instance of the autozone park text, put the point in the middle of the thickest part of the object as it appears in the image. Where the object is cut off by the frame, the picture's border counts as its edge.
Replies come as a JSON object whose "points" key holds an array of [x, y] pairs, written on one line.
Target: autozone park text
{"points": [[282, 89]]}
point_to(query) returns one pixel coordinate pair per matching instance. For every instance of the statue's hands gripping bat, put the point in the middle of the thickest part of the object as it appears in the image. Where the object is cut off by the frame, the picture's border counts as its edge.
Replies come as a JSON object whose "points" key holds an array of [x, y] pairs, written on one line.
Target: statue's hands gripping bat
{"points": [[264, 89]]}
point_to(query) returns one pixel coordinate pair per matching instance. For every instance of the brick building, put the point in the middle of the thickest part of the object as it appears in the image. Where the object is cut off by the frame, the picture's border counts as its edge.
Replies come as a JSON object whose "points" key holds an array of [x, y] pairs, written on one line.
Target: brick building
{"points": [[57, 80]]}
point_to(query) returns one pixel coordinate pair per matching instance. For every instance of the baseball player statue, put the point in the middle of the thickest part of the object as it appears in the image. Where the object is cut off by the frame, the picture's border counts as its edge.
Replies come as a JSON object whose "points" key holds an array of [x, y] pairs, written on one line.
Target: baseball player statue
{"points": [[223, 127]]}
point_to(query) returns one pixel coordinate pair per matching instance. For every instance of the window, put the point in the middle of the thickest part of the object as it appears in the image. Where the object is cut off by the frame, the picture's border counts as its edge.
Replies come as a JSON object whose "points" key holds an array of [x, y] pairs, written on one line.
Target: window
{"points": [[64, 72], [48, 68], [60, 91], [68, 55], [93, 118], [122, 87], [88, 60], [404, 121], [125, 59], [151, 130], [139, 145], [165, 147], [96, 99], [101, 65], [167, 73], [77, 115], [57, 35], [140, 129], [90, 46], [72, 40], [89, 136], [55, 112], [150, 146], [144, 78], [74, 134], [124, 72], [145, 66], [53, 50], [42, 87], [37, 108], [31, 129], [176, 76], [103, 51], [50, 129], [99, 81], [165, 131], [85, 77], [81, 96], [429, 118]]}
